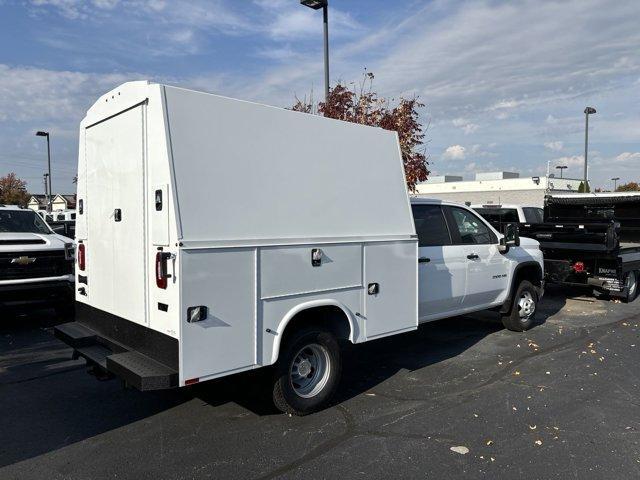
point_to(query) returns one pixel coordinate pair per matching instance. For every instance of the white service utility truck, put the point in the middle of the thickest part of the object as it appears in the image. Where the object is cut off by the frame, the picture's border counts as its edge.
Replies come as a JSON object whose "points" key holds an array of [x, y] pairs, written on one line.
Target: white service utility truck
{"points": [[217, 236]]}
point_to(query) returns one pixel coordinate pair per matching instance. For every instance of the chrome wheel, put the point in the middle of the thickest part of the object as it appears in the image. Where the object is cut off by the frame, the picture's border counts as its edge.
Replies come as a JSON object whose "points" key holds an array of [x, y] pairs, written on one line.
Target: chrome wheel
{"points": [[310, 370], [526, 305]]}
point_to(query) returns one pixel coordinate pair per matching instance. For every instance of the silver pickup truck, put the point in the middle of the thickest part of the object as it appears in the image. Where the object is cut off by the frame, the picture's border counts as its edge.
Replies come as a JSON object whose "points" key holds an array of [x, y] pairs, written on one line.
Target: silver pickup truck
{"points": [[36, 264]]}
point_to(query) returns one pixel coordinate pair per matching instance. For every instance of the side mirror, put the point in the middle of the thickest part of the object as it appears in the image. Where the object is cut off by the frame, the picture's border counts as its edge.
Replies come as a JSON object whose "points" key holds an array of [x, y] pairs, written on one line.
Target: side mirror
{"points": [[512, 234]]}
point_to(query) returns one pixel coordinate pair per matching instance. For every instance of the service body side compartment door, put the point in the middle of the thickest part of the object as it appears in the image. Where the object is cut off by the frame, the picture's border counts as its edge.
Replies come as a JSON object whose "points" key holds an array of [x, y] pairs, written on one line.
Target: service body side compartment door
{"points": [[391, 288], [224, 281]]}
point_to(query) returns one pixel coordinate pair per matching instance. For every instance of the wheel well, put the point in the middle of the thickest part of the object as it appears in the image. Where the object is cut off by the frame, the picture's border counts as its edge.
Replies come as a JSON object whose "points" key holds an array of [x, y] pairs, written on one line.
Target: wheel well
{"points": [[330, 317], [532, 273]]}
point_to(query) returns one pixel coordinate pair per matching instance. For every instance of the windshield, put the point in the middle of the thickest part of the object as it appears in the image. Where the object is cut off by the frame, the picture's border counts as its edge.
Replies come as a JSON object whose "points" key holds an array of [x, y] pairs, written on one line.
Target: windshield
{"points": [[533, 214], [499, 215], [22, 221]]}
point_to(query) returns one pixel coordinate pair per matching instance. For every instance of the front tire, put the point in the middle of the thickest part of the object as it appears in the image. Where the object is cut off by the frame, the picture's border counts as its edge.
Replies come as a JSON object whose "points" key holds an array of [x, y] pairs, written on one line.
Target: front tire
{"points": [[523, 308], [631, 285], [308, 371]]}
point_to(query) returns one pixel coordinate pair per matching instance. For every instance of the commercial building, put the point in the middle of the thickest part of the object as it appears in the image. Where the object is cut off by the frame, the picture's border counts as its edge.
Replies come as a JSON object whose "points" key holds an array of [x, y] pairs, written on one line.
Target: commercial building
{"points": [[496, 188]]}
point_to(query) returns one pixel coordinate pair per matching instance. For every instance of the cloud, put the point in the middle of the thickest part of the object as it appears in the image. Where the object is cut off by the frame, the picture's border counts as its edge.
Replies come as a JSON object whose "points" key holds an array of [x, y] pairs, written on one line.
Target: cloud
{"points": [[505, 104], [454, 152], [556, 146], [569, 161], [76, 9], [631, 159], [28, 94], [466, 126]]}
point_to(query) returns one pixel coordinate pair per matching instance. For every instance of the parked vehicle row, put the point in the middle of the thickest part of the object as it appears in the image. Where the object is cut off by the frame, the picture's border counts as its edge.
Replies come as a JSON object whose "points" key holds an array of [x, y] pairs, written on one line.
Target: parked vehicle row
{"points": [[315, 243]]}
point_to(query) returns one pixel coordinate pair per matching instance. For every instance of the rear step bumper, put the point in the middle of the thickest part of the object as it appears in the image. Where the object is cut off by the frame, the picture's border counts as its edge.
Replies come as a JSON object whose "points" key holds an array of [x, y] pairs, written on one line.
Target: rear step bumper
{"points": [[135, 368]]}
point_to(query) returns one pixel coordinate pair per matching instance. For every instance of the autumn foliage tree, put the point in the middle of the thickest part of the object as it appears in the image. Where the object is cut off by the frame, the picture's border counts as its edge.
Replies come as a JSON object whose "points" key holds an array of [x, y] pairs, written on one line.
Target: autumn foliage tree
{"points": [[365, 107], [629, 187], [13, 191]]}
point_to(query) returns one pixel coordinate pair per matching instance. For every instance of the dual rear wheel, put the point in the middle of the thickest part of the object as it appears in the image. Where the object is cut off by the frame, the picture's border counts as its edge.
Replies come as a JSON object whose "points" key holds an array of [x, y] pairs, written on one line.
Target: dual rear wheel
{"points": [[308, 371]]}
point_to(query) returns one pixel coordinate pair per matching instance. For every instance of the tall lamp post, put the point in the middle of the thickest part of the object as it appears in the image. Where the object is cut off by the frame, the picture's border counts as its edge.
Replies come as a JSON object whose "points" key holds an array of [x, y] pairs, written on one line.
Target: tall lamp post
{"points": [[561, 168], [615, 183], [324, 5], [46, 134], [587, 111]]}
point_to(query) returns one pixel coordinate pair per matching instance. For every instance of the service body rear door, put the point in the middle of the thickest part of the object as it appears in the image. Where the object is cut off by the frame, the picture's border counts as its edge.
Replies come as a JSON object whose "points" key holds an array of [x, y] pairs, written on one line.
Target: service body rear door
{"points": [[115, 215]]}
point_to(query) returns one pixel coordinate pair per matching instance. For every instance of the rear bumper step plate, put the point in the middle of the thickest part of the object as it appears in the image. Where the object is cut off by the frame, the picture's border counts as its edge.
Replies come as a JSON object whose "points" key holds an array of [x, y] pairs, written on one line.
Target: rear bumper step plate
{"points": [[133, 367]]}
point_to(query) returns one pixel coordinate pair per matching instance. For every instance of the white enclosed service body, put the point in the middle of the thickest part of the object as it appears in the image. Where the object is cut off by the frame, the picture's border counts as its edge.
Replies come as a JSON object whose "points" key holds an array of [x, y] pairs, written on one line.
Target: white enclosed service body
{"points": [[251, 214]]}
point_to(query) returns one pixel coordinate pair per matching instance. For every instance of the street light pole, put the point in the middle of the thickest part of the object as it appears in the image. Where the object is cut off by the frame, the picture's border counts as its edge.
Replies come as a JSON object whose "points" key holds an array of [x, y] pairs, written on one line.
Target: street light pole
{"points": [[587, 111], [316, 5], [325, 21], [46, 134], [561, 168], [615, 183], [46, 186]]}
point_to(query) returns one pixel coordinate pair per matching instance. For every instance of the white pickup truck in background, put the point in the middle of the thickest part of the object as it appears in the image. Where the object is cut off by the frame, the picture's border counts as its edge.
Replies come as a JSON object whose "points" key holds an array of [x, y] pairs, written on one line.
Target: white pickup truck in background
{"points": [[501, 215], [36, 264], [217, 236]]}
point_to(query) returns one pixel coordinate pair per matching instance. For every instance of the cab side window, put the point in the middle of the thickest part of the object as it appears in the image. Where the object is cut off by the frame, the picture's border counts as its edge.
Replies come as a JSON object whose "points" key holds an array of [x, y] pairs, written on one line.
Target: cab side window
{"points": [[431, 226], [470, 229]]}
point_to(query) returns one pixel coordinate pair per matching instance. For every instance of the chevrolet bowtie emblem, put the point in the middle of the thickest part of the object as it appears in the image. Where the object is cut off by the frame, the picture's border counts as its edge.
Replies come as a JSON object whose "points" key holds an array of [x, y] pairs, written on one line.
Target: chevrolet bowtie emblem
{"points": [[23, 260]]}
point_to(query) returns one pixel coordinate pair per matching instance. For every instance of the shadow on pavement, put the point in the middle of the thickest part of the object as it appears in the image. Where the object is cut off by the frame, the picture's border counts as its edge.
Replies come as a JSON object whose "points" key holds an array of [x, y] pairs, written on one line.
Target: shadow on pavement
{"points": [[52, 403], [48, 401]]}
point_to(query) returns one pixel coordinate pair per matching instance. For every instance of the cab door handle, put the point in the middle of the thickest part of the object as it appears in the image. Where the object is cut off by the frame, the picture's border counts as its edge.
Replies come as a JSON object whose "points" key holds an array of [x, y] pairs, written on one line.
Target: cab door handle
{"points": [[473, 256], [424, 260]]}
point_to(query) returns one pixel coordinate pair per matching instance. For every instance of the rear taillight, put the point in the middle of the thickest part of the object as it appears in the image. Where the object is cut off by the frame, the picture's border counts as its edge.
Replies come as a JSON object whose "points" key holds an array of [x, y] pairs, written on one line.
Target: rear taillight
{"points": [[161, 269], [578, 267], [81, 256]]}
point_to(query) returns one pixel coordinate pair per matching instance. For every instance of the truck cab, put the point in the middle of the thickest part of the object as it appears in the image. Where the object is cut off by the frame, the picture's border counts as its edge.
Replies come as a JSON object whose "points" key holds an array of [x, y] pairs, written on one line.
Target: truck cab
{"points": [[466, 265], [500, 215], [36, 264]]}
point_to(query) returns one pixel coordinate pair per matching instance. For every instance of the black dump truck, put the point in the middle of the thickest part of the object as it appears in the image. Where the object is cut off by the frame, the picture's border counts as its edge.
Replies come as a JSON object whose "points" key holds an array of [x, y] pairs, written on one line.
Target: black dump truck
{"points": [[591, 240]]}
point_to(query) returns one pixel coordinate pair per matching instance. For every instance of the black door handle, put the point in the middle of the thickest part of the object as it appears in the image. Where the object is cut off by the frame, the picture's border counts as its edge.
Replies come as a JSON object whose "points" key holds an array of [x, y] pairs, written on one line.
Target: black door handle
{"points": [[424, 260], [117, 214], [473, 256]]}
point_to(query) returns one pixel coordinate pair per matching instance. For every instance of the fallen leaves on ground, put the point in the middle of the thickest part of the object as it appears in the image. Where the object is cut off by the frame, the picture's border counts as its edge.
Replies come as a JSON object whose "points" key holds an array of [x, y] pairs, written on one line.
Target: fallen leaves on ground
{"points": [[461, 449]]}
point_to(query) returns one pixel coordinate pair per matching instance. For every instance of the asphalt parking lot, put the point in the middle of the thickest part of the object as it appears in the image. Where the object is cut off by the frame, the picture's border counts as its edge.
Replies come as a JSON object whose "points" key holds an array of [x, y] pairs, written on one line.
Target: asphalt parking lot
{"points": [[559, 401]]}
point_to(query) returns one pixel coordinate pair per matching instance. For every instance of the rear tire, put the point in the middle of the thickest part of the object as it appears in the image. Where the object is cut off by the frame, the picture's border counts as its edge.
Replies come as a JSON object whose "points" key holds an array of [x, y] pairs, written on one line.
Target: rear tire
{"points": [[308, 371], [631, 286], [523, 308]]}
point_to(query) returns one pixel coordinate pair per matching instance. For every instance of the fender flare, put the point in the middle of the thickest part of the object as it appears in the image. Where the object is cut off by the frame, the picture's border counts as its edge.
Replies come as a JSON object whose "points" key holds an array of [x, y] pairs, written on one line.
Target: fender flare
{"points": [[506, 306], [353, 326]]}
